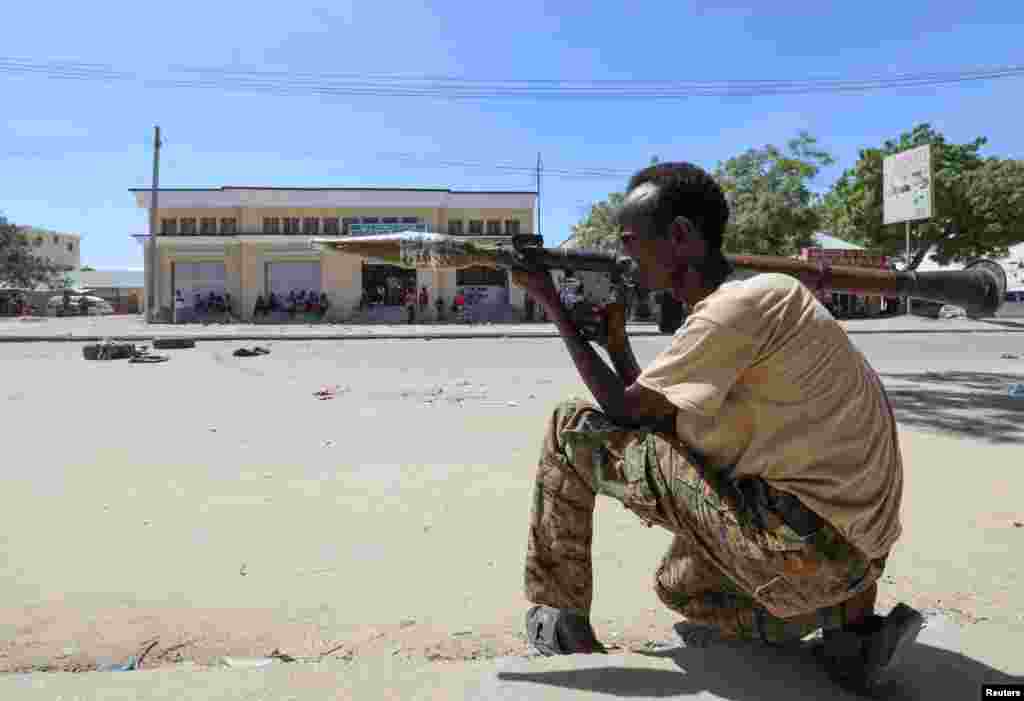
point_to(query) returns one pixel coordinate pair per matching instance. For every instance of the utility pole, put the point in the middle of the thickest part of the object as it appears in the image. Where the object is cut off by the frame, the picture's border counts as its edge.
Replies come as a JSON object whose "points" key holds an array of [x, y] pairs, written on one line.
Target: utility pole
{"points": [[153, 259], [907, 266], [538, 191]]}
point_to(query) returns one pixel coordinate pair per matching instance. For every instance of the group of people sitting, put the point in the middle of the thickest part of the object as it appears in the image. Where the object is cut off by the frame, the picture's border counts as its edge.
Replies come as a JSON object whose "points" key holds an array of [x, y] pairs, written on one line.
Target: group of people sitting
{"points": [[203, 307], [213, 303], [296, 302]]}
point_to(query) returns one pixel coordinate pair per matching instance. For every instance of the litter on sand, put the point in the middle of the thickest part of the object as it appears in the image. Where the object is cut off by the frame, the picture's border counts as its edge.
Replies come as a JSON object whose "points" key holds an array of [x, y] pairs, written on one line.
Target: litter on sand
{"points": [[328, 392], [109, 350], [250, 352]]}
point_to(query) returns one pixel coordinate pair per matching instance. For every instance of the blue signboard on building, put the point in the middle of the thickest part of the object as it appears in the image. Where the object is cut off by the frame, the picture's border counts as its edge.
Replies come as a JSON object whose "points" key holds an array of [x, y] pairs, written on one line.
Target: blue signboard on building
{"points": [[374, 229]]}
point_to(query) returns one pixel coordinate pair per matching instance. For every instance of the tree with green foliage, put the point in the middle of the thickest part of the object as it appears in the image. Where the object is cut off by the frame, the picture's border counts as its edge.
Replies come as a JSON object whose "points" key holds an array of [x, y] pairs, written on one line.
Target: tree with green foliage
{"points": [[978, 202], [773, 210], [19, 267], [597, 230]]}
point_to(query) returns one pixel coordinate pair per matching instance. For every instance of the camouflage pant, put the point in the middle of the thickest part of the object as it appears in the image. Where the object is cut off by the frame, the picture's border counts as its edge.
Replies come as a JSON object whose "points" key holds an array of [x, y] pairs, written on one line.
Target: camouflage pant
{"points": [[734, 564]]}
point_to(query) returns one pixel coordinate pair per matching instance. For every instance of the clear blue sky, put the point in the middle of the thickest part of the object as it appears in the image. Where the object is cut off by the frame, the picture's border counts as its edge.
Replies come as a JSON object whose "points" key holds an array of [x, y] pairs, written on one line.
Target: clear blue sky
{"points": [[69, 150]]}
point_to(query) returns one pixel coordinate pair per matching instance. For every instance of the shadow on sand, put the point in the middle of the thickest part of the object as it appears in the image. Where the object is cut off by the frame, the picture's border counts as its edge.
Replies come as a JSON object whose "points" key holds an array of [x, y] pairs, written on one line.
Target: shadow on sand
{"points": [[740, 672], [966, 404]]}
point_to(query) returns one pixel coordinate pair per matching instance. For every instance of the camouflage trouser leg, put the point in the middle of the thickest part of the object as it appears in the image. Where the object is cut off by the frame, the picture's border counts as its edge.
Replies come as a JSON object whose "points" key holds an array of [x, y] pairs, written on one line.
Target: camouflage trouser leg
{"points": [[694, 589], [731, 566]]}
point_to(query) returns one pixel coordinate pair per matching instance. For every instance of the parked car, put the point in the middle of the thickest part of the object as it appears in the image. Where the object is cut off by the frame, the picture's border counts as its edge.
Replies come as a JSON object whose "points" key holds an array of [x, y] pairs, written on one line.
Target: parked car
{"points": [[97, 305]]}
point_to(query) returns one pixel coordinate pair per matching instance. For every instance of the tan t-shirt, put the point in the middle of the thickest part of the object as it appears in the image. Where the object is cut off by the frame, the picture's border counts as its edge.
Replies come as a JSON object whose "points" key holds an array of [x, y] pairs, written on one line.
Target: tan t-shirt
{"points": [[768, 384]]}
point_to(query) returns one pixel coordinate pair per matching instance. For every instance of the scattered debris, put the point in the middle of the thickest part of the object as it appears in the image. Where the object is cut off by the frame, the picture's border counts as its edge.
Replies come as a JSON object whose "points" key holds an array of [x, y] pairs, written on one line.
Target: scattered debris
{"points": [[327, 444], [108, 350], [1018, 524], [278, 655], [212, 429], [250, 352], [460, 633], [1016, 390], [407, 622], [247, 662], [128, 666], [243, 570], [1010, 356], [513, 403], [329, 392], [148, 358], [133, 663], [174, 343], [347, 655]]}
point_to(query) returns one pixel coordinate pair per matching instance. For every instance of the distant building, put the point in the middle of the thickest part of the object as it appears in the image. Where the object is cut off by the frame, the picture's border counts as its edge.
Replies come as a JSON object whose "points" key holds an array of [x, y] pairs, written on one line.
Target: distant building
{"points": [[848, 303], [123, 289], [60, 248], [250, 242]]}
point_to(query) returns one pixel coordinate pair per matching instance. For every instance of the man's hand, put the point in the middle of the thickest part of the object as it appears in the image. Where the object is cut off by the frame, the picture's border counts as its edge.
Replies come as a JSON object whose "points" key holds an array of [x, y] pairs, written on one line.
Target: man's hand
{"points": [[539, 285], [605, 325]]}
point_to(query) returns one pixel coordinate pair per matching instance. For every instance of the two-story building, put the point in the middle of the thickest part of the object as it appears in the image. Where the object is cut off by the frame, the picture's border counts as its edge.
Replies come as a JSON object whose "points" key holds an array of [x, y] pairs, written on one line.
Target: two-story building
{"points": [[251, 241], [62, 249]]}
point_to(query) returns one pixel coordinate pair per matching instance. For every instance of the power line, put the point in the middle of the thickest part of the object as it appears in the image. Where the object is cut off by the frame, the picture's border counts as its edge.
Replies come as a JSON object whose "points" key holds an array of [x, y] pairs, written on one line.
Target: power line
{"points": [[456, 88], [582, 173]]}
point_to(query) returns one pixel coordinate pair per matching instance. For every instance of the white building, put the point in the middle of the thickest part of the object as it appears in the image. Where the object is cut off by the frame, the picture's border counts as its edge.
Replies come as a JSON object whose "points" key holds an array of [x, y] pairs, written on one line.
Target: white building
{"points": [[61, 249]]}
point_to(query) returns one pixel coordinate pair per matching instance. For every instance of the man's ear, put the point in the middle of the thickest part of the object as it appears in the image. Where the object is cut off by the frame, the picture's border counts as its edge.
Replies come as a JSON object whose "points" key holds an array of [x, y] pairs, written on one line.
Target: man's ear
{"points": [[685, 234]]}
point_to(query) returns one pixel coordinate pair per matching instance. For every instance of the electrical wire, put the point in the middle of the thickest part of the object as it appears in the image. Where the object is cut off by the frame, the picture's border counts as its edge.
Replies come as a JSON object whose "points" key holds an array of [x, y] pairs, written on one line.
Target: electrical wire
{"points": [[285, 83]]}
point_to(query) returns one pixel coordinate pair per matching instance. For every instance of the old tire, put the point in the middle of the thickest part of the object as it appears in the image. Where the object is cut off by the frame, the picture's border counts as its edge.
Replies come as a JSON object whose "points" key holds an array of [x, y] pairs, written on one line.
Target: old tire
{"points": [[113, 351], [174, 343]]}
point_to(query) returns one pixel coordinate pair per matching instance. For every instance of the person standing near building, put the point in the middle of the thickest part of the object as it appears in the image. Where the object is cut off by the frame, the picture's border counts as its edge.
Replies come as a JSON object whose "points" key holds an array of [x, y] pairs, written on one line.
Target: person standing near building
{"points": [[410, 303], [179, 307], [424, 301]]}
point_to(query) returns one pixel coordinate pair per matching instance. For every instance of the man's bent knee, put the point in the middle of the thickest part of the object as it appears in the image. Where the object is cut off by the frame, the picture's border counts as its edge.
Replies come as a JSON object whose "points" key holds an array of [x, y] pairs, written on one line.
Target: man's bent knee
{"points": [[565, 416]]}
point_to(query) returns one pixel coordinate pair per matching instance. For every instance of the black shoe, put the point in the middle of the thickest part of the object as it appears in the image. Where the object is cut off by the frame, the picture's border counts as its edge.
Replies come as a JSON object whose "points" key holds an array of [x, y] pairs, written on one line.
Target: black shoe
{"points": [[552, 631], [860, 657]]}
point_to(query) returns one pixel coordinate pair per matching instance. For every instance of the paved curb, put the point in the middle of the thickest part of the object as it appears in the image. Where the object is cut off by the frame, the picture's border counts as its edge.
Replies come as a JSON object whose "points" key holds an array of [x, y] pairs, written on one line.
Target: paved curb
{"points": [[440, 335], [294, 337]]}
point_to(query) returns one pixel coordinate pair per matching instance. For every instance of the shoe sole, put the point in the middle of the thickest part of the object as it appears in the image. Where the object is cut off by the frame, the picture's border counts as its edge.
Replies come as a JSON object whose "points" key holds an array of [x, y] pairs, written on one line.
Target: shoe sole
{"points": [[909, 623]]}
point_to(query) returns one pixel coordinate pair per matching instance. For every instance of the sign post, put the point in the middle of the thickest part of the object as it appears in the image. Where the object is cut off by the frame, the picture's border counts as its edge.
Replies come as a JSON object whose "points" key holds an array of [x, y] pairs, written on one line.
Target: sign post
{"points": [[907, 190]]}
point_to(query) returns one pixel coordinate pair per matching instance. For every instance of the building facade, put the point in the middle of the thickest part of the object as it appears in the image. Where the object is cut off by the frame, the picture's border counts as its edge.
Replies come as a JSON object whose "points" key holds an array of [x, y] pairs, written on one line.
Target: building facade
{"points": [[847, 304], [61, 249], [248, 242]]}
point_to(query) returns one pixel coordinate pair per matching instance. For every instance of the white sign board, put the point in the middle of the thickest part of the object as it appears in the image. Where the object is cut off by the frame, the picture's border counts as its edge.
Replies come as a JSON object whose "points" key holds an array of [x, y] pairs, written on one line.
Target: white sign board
{"points": [[907, 186]]}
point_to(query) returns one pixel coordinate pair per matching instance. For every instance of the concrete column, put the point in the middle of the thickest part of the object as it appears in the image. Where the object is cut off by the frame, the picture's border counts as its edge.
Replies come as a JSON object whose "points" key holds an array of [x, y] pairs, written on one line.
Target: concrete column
{"points": [[342, 280], [426, 278], [164, 283], [251, 273], [516, 296], [233, 277]]}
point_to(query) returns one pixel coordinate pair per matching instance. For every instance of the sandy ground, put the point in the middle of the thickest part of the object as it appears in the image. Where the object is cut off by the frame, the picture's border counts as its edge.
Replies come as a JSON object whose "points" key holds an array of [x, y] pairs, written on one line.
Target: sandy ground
{"points": [[214, 505], [135, 327]]}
